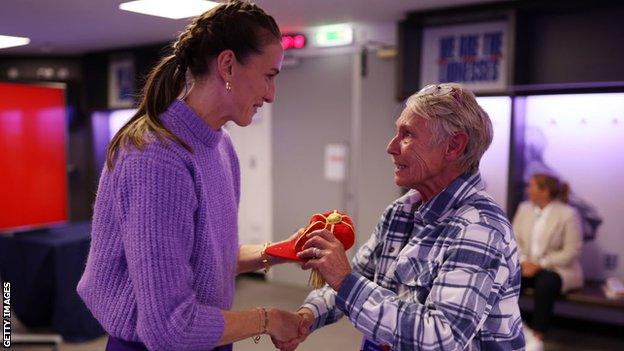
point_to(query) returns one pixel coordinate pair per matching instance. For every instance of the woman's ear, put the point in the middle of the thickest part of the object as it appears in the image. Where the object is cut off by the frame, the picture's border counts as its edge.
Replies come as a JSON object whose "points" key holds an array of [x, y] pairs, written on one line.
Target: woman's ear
{"points": [[456, 146], [225, 63]]}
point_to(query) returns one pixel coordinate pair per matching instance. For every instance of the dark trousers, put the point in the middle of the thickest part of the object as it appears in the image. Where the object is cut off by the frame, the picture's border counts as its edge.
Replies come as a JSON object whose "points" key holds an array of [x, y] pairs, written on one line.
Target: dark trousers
{"points": [[115, 344], [547, 286]]}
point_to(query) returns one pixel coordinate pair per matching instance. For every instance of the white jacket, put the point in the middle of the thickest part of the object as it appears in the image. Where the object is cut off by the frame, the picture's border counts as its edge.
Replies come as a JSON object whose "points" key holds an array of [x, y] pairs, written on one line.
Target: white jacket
{"points": [[561, 241]]}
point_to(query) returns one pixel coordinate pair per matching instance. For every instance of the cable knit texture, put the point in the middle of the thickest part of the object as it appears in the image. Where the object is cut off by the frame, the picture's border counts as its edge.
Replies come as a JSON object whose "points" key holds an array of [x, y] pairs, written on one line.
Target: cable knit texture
{"points": [[164, 246]]}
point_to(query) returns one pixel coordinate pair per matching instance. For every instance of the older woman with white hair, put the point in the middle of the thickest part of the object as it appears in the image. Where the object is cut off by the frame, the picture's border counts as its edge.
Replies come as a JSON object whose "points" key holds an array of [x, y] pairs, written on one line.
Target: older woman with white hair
{"points": [[440, 271]]}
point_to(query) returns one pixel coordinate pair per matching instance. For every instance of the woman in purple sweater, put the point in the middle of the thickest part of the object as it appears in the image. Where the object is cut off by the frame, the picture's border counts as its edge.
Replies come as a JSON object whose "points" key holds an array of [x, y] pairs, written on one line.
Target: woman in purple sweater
{"points": [[164, 250]]}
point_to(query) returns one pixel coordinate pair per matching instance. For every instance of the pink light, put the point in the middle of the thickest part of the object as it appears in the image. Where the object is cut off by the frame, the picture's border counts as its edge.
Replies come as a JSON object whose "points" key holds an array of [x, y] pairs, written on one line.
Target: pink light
{"points": [[287, 42], [299, 41], [293, 41]]}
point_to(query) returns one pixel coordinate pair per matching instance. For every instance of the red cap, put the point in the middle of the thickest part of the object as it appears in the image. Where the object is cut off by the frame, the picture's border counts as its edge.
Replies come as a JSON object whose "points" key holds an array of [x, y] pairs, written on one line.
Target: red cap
{"points": [[338, 223]]}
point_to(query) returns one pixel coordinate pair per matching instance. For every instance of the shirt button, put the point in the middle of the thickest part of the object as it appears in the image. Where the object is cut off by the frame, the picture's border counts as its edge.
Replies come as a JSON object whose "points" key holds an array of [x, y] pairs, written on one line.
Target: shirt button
{"points": [[391, 250]]}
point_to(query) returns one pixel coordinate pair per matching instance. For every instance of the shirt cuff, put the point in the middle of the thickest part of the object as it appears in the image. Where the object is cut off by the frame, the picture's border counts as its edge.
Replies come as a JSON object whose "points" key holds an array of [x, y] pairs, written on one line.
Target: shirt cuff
{"points": [[344, 293], [315, 312]]}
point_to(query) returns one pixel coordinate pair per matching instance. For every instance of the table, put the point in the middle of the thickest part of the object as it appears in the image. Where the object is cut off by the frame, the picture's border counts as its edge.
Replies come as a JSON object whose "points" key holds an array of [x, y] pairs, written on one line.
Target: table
{"points": [[44, 267]]}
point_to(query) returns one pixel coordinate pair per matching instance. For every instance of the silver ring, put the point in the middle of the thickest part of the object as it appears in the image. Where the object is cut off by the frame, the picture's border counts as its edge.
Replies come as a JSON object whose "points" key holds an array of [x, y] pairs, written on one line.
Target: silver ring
{"points": [[316, 252]]}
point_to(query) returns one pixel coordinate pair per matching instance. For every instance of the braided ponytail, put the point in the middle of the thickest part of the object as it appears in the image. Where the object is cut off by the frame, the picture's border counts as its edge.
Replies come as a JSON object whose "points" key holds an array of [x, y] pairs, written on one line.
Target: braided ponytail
{"points": [[237, 25]]}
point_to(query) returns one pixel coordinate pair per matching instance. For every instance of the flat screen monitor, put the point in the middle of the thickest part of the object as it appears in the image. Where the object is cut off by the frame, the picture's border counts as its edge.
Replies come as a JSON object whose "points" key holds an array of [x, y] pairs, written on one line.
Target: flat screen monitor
{"points": [[33, 161]]}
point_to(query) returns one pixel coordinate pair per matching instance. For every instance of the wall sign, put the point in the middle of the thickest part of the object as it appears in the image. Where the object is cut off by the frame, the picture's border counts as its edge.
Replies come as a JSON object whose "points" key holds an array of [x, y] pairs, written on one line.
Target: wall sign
{"points": [[333, 35], [335, 162], [476, 55], [121, 87]]}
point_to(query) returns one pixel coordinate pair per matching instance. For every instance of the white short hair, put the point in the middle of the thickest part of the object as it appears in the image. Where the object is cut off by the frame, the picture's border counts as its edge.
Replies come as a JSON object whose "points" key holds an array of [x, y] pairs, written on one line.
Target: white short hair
{"points": [[450, 108]]}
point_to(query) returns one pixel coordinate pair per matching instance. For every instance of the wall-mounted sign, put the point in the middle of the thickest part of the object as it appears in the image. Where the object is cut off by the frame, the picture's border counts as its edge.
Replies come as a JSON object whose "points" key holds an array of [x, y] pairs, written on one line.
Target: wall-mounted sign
{"points": [[476, 55], [335, 162], [293, 41], [333, 35], [121, 89]]}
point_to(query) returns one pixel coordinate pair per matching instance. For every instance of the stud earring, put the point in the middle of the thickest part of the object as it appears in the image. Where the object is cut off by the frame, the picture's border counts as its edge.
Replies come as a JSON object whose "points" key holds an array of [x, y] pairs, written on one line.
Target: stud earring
{"points": [[228, 86]]}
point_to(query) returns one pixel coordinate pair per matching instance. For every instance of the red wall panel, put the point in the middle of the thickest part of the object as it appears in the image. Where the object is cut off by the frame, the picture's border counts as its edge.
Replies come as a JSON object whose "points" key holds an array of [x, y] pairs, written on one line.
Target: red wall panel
{"points": [[33, 176]]}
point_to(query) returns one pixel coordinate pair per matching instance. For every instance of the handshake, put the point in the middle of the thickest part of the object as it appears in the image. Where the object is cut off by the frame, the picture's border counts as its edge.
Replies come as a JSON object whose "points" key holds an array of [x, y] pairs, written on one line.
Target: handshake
{"points": [[321, 246], [287, 329]]}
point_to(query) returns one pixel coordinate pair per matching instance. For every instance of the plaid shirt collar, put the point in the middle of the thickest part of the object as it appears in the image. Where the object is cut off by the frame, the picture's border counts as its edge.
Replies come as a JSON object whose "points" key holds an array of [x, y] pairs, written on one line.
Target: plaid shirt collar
{"points": [[452, 196]]}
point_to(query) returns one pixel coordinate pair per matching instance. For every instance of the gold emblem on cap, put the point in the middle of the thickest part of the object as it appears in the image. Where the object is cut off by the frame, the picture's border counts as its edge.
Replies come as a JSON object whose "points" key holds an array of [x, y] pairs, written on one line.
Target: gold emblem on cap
{"points": [[334, 218]]}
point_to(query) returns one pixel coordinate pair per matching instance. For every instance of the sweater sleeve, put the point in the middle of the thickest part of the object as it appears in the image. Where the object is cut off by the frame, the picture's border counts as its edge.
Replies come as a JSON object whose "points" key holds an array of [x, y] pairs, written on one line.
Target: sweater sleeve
{"points": [[157, 203]]}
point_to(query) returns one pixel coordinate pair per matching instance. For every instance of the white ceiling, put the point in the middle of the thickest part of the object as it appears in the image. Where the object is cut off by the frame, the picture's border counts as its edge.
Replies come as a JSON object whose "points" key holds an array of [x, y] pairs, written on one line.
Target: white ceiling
{"points": [[60, 27]]}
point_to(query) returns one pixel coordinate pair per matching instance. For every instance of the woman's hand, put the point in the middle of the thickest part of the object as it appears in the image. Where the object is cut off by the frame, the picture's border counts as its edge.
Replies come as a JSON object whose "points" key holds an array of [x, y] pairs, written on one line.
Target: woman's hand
{"points": [[283, 326], [251, 258], [529, 269], [307, 319]]}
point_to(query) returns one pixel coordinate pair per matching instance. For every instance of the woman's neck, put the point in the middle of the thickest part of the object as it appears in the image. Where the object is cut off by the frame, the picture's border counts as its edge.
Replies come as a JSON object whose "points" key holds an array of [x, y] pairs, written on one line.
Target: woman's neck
{"points": [[207, 101]]}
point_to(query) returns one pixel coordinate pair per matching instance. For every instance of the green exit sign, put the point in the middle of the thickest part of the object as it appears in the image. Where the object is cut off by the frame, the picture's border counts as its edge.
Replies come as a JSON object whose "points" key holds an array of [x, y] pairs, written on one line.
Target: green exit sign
{"points": [[333, 35]]}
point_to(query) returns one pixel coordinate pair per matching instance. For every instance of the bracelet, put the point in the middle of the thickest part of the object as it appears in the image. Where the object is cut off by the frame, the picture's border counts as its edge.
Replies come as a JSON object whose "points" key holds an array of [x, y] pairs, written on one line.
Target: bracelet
{"points": [[265, 258], [264, 322]]}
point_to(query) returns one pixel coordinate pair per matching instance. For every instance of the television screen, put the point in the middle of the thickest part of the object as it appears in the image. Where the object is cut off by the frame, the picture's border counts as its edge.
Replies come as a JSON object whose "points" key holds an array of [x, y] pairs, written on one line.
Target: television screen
{"points": [[33, 180]]}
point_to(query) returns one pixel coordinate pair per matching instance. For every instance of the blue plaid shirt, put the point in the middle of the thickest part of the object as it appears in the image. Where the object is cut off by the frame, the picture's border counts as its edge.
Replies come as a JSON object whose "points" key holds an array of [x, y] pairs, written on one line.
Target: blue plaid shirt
{"points": [[438, 276]]}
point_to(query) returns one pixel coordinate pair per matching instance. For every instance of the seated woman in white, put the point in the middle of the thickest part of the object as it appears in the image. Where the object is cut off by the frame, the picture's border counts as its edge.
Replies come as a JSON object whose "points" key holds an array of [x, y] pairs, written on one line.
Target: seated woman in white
{"points": [[548, 231]]}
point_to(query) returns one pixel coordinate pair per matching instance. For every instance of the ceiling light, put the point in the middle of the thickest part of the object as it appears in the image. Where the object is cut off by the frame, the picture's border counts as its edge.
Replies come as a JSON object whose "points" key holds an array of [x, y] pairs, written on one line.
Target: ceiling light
{"points": [[168, 8], [9, 42]]}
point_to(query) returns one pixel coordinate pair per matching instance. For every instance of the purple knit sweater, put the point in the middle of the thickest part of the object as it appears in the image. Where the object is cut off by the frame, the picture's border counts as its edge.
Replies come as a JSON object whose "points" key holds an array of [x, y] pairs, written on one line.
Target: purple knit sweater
{"points": [[164, 244]]}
